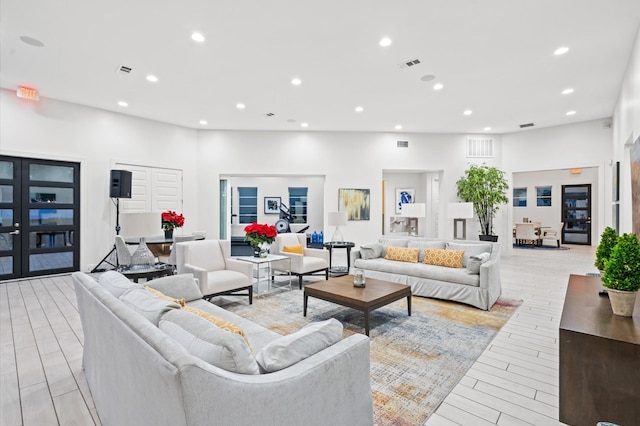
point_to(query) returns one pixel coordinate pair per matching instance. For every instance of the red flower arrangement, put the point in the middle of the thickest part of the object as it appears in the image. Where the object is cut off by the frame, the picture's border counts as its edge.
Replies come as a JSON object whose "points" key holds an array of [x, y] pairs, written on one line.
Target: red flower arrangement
{"points": [[171, 220], [260, 233]]}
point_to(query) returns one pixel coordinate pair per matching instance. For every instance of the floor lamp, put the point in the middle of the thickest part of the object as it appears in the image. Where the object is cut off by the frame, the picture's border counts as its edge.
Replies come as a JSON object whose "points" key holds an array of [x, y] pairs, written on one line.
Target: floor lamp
{"points": [[337, 219], [460, 212], [413, 211]]}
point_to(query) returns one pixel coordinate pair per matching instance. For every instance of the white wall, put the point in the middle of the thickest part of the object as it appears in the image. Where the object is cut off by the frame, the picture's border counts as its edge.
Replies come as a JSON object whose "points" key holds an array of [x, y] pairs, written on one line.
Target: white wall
{"points": [[626, 126]]}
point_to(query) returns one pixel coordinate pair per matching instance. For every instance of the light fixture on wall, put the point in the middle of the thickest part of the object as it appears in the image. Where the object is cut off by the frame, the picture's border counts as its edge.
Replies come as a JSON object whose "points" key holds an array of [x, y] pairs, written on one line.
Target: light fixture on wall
{"points": [[413, 211], [337, 219], [460, 212]]}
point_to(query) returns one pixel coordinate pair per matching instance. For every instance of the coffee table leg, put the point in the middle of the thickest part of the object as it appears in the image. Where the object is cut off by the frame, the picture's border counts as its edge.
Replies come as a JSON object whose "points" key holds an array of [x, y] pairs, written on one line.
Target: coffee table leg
{"points": [[409, 304], [305, 305], [366, 322]]}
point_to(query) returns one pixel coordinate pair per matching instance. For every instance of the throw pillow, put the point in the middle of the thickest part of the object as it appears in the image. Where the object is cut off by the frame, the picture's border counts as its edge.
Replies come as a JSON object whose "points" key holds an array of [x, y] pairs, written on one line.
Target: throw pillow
{"points": [[421, 245], [470, 249], [288, 350], [402, 254], [448, 258], [116, 283], [147, 305], [474, 263], [181, 286], [294, 249], [164, 296], [371, 251], [223, 324], [209, 343]]}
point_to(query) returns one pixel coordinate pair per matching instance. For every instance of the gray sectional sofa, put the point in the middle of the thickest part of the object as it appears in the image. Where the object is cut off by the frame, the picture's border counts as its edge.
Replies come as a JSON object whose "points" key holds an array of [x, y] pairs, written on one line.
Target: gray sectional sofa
{"points": [[477, 283], [148, 362]]}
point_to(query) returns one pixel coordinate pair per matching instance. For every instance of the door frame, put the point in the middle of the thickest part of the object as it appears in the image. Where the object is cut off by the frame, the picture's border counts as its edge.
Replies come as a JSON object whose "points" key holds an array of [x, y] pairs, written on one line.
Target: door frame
{"points": [[586, 220]]}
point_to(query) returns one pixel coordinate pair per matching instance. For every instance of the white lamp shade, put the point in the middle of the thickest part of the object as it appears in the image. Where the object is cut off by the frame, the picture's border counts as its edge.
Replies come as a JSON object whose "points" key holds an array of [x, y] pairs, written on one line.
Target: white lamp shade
{"points": [[413, 210], [337, 218], [460, 210], [140, 224]]}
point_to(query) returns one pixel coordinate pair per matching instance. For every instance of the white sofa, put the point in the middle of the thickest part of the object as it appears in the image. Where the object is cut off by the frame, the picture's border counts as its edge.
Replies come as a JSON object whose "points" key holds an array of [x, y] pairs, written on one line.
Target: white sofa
{"points": [[480, 289], [139, 375]]}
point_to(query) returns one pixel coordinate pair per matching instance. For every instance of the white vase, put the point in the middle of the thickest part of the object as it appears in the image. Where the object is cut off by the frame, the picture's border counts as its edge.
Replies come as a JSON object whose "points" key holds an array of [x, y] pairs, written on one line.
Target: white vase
{"points": [[622, 302]]}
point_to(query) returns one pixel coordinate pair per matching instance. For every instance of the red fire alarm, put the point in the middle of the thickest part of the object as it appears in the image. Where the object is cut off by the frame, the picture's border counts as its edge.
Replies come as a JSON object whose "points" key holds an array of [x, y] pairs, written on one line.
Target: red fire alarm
{"points": [[28, 93]]}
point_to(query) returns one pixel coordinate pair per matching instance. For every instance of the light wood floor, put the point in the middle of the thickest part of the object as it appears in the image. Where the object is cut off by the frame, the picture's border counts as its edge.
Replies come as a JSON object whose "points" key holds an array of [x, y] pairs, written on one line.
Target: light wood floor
{"points": [[514, 382]]}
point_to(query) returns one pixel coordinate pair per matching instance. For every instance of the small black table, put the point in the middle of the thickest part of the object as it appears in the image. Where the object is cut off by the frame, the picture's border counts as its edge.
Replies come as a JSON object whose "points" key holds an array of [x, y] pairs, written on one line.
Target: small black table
{"points": [[339, 270], [155, 271]]}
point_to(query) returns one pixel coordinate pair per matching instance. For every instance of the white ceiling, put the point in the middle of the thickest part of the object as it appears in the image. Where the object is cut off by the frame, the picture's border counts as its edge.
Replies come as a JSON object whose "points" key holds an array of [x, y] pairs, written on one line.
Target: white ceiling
{"points": [[494, 57]]}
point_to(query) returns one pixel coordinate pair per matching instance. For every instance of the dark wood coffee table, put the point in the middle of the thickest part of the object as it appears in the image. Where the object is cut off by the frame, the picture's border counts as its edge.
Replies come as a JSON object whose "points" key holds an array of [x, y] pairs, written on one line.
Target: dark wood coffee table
{"points": [[340, 290]]}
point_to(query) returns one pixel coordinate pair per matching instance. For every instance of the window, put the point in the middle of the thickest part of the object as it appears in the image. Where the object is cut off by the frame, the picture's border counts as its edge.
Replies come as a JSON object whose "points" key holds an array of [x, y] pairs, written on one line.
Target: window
{"points": [[519, 197], [543, 196], [298, 204], [248, 204]]}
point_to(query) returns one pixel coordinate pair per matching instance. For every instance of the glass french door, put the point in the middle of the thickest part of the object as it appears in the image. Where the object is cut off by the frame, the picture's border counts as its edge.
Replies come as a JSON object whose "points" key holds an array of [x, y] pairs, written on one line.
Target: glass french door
{"points": [[576, 214], [39, 217]]}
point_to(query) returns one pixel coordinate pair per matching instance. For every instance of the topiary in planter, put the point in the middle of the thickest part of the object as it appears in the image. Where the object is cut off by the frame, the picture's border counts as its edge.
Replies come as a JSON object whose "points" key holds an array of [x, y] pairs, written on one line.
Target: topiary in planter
{"points": [[608, 240], [622, 271]]}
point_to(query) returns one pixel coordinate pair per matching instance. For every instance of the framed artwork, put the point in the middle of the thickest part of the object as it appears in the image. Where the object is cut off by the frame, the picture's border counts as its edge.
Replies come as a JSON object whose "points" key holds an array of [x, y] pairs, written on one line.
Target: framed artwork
{"points": [[355, 202], [404, 196], [272, 205]]}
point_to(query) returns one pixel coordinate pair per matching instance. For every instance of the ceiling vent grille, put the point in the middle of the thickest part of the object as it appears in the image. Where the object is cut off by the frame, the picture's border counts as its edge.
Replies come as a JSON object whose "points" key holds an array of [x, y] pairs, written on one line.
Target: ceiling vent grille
{"points": [[403, 144], [125, 70], [409, 63], [522, 126], [480, 148], [270, 114]]}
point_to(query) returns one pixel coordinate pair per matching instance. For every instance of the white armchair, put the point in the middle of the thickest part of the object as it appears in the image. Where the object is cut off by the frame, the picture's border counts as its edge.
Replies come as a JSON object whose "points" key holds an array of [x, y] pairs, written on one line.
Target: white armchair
{"points": [[312, 262], [553, 234], [211, 263], [526, 234]]}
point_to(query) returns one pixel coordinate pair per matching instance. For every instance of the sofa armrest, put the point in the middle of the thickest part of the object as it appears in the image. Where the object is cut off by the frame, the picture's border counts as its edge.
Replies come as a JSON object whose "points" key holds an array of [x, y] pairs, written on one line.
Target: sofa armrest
{"points": [[283, 265], [240, 266], [490, 279], [321, 253], [199, 273]]}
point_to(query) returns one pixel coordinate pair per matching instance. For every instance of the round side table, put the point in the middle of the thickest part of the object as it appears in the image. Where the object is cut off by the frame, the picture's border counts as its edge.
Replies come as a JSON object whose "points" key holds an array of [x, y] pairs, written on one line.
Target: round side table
{"points": [[338, 271]]}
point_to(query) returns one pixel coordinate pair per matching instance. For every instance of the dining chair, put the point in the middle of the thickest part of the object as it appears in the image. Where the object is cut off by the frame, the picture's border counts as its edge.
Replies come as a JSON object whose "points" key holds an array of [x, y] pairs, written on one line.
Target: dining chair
{"points": [[553, 234], [526, 234], [123, 254]]}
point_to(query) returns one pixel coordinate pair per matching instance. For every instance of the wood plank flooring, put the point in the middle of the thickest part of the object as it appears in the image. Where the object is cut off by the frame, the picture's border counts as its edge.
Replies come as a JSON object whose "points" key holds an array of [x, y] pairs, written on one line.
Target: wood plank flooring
{"points": [[514, 382]]}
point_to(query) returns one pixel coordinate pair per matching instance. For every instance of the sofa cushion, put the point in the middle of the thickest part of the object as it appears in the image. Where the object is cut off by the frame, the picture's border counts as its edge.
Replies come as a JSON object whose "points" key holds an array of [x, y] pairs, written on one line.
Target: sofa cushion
{"points": [[295, 347], [469, 250], [116, 283], [294, 249], [421, 245], [163, 296], [441, 257], [474, 263], [221, 323], [208, 342], [371, 251], [147, 305], [402, 254], [181, 286]]}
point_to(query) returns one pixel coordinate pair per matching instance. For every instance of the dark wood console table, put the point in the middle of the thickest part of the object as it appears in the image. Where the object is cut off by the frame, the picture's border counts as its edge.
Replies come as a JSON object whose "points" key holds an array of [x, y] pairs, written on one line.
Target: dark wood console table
{"points": [[599, 358]]}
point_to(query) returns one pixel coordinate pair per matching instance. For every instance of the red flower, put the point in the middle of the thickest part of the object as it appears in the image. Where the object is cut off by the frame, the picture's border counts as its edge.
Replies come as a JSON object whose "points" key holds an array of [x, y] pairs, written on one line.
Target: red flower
{"points": [[171, 220], [260, 232]]}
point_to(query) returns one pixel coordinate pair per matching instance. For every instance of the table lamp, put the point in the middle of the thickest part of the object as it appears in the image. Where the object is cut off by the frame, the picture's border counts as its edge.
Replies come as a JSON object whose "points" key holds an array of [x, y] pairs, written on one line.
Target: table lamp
{"points": [[337, 219], [413, 210], [460, 212]]}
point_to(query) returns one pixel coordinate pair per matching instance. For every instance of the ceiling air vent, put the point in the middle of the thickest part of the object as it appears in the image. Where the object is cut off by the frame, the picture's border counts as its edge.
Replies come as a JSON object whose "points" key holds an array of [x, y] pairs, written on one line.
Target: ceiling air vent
{"points": [[409, 63], [479, 147], [403, 144], [522, 126], [125, 70], [270, 114]]}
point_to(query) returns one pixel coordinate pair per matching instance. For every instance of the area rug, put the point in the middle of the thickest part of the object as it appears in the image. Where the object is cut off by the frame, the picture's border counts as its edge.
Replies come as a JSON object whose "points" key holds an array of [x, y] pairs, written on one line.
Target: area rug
{"points": [[532, 247], [415, 361]]}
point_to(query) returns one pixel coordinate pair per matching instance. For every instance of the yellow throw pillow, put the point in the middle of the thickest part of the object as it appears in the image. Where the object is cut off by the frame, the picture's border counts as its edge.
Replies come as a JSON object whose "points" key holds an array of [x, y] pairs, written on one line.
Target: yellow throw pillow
{"points": [[164, 296], [294, 249], [218, 322], [441, 257], [402, 254]]}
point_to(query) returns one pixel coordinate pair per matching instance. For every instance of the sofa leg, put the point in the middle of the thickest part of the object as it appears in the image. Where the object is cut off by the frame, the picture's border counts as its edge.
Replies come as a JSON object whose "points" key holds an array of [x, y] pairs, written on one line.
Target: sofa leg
{"points": [[326, 274], [251, 295]]}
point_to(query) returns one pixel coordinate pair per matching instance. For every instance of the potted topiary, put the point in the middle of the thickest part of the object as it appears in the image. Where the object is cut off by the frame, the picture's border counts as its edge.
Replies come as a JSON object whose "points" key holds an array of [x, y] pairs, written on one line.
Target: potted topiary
{"points": [[486, 188], [608, 240], [622, 275]]}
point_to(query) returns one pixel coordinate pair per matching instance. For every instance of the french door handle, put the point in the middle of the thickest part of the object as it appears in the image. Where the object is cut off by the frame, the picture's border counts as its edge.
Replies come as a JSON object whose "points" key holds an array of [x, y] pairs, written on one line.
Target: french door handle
{"points": [[16, 232]]}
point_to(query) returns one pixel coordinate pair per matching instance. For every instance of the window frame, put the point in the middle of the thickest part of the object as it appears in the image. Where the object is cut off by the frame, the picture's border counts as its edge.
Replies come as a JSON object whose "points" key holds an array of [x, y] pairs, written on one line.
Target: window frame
{"points": [[247, 204], [519, 198], [540, 198]]}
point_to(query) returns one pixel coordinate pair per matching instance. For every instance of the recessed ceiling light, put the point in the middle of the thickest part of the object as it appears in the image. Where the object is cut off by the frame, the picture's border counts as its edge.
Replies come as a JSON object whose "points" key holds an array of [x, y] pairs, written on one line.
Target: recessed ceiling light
{"points": [[197, 37], [152, 78], [240, 106], [438, 86], [31, 41], [203, 122], [123, 104], [468, 112], [561, 51], [296, 81], [428, 77], [571, 113], [359, 109], [384, 42], [398, 127], [486, 129], [567, 91], [304, 124]]}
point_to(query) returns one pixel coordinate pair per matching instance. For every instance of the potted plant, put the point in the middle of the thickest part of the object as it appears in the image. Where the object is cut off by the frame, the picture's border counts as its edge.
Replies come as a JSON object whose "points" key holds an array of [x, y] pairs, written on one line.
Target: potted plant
{"points": [[622, 274], [608, 240], [486, 188], [260, 237], [171, 220]]}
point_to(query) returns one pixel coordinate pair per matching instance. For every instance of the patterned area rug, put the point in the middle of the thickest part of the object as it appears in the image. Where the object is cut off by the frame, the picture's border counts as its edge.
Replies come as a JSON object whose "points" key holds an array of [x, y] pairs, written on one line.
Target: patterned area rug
{"points": [[415, 361]]}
